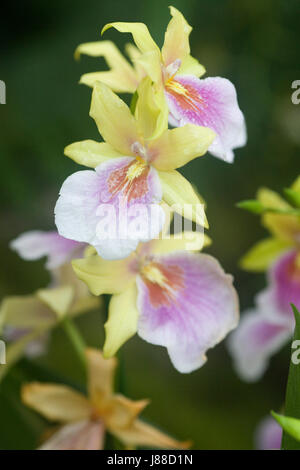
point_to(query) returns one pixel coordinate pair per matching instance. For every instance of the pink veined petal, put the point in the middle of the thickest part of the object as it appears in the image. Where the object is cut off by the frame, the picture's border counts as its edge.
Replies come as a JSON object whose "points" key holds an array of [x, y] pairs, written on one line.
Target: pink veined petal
{"points": [[268, 434], [210, 102], [36, 244], [112, 208], [284, 278], [258, 336], [189, 310], [84, 435]]}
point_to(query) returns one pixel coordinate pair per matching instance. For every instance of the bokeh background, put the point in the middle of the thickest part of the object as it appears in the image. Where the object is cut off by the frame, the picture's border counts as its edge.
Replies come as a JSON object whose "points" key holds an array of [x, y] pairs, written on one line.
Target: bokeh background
{"points": [[253, 43]]}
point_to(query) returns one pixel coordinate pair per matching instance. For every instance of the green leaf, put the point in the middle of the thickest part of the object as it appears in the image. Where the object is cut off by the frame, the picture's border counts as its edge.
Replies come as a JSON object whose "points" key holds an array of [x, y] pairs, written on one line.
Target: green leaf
{"points": [[289, 425], [292, 196], [292, 400], [251, 205]]}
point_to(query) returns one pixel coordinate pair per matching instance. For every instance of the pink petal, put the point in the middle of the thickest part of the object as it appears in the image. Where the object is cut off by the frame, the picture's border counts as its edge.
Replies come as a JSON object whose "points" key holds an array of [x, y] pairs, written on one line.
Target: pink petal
{"points": [[258, 336], [268, 434], [112, 208], [285, 279], [85, 435], [37, 244], [191, 311], [209, 102]]}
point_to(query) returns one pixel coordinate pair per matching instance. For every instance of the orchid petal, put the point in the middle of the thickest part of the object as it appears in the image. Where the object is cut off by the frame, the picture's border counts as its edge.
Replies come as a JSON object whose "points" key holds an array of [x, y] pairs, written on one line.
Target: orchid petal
{"points": [[263, 254], [185, 241], [122, 320], [256, 339], [176, 147], [191, 66], [143, 434], [25, 311], [56, 402], [176, 44], [35, 244], [84, 435], [59, 299], [90, 153], [179, 193], [114, 119], [211, 102], [140, 34], [101, 373], [187, 304], [151, 111], [123, 412], [121, 77], [268, 434], [105, 277]]}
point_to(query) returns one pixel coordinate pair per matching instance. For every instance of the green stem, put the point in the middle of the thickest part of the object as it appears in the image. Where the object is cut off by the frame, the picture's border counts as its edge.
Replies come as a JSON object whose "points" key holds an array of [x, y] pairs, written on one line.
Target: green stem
{"points": [[76, 339]]}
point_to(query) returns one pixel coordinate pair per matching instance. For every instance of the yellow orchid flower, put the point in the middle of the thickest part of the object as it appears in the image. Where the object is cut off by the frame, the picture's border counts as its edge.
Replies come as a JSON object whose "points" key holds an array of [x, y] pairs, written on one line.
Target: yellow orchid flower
{"points": [[26, 320], [210, 102], [85, 419], [284, 228], [135, 166], [169, 296]]}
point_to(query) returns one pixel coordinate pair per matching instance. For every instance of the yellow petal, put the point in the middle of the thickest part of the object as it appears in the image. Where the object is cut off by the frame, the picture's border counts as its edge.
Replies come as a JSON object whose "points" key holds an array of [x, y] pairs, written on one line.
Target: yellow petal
{"points": [[140, 34], [56, 402], [176, 147], [25, 312], [263, 254], [150, 63], [151, 110], [101, 374], [296, 185], [103, 276], [122, 412], [185, 241], [143, 434], [90, 153], [180, 195], [57, 299], [122, 320], [285, 227], [114, 119], [134, 54], [271, 199], [176, 44], [121, 77], [191, 66]]}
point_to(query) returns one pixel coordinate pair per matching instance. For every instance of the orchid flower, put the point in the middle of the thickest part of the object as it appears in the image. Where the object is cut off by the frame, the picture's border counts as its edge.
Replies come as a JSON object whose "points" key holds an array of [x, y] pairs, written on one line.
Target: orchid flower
{"points": [[209, 102], [283, 224], [268, 434], [266, 328], [26, 320], [117, 205], [180, 300], [84, 419]]}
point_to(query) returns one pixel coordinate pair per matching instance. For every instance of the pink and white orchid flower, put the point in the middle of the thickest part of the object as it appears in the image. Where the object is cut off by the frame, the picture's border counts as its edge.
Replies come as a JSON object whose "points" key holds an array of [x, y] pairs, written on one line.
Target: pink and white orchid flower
{"points": [[172, 298], [118, 204], [210, 102], [266, 328]]}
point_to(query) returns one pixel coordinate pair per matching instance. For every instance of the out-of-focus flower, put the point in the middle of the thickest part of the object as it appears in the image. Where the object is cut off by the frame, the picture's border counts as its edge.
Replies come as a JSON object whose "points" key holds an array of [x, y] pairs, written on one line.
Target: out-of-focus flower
{"points": [[25, 321], [180, 300], [36, 244], [268, 435], [118, 205], [264, 329], [85, 420], [210, 102], [284, 226]]}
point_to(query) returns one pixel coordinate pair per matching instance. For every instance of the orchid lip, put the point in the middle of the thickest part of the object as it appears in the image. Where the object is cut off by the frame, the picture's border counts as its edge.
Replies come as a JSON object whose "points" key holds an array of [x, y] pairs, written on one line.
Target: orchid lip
{"points": [[170, 71]]}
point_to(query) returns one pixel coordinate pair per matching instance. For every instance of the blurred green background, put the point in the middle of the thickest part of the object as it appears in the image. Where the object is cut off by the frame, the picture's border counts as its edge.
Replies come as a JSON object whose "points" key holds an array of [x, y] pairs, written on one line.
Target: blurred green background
{"points": [[253, 43]]}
